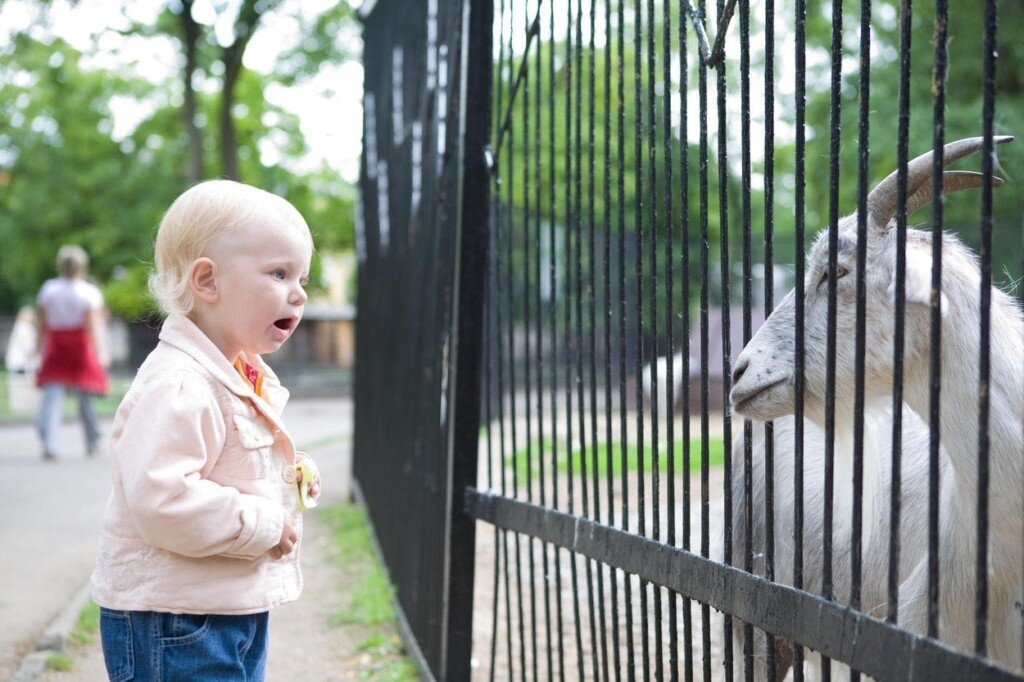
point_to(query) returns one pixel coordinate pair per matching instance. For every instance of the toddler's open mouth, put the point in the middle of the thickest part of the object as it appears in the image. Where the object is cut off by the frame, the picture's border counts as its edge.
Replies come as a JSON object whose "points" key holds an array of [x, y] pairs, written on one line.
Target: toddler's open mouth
{"points": [[285, 323]]}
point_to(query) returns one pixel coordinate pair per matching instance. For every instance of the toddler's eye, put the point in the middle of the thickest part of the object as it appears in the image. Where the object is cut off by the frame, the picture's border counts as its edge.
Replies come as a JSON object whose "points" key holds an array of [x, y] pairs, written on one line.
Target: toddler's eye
{"points": [[279, 273]]}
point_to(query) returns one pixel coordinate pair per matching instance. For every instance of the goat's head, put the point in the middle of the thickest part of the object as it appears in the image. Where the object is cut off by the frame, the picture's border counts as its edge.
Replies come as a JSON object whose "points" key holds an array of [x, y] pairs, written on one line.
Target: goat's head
{"points": [[764, 372]]}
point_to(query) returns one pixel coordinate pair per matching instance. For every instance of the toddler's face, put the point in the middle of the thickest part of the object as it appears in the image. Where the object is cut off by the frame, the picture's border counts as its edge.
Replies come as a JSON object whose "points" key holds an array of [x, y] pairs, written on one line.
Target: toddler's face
{"points": [[262, 272]]}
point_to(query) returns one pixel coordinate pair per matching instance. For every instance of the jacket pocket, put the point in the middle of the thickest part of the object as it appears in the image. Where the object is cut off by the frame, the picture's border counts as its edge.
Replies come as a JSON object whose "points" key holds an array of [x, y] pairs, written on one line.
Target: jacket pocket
{"points": [[249, 456], [118, 650]]}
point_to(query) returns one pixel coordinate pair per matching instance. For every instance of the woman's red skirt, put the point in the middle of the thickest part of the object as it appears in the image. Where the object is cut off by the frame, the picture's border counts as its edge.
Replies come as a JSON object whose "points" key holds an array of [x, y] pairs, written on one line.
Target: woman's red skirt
{"points": [[69, 359]]}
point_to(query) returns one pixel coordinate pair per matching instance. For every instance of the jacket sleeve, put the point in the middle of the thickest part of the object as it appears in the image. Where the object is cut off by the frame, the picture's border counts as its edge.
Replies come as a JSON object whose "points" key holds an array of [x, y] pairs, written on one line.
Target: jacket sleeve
{"points": [[172, 436]]}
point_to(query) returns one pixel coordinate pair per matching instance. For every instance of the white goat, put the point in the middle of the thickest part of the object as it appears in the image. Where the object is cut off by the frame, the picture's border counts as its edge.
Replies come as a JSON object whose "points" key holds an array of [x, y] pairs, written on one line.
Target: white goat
{"points": [[875, 522], [763, 389]]}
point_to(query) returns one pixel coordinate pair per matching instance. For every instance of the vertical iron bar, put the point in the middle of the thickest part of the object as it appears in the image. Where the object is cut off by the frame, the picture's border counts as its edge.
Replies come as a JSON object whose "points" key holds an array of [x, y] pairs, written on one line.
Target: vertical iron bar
{"points": [[652, 209], [684, 241], [527, 369], [798, 351], [638, 171], [861, 312], [684, 208], [552, 322], [726, 316], [489, 416], [935, 364], [601, 634], [623, 427], [493, 361], [769, 302], [903, 132], [538, 164], [987, 120], [581, 406], [827, 588], [705, 535], [570, 349], [670, 383], [499, 299], [513, 421], [609, 452], [748, 427]]}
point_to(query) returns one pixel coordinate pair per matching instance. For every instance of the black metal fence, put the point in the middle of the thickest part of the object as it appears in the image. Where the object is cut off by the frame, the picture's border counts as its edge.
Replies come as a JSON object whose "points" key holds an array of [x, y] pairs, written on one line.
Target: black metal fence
{"points": [[572, 217]]}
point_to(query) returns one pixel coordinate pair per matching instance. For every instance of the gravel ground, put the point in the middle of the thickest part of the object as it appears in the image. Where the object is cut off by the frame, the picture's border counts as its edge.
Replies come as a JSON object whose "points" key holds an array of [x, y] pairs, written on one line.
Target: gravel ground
{"points": [[522, 638]]}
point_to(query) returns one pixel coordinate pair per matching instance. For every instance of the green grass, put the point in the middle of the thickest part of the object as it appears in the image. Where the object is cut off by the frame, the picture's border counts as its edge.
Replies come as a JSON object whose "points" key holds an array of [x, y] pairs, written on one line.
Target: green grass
{"points": [[599, 456], [370, 601], [61, 662], [394, 670], [87, 626], [386, 648]]}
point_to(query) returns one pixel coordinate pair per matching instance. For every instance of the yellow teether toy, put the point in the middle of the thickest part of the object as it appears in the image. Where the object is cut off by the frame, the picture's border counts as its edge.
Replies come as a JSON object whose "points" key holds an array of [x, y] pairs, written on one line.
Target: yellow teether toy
{"points": [[306, 501]]}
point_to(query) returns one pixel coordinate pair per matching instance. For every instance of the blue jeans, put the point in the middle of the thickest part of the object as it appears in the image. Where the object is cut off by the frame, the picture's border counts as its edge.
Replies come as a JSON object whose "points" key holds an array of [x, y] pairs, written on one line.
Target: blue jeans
{"points": [[50, 414], [152, 646]]}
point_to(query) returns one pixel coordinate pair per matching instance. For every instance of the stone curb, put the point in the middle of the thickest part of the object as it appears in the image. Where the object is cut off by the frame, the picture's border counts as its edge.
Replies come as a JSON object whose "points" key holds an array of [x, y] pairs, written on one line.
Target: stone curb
{"points": [[54, 639]]}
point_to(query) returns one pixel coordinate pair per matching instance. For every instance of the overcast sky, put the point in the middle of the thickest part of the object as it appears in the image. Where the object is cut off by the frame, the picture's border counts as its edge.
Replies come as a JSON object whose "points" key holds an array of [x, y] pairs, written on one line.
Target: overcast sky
{"points": [[328, 106]]}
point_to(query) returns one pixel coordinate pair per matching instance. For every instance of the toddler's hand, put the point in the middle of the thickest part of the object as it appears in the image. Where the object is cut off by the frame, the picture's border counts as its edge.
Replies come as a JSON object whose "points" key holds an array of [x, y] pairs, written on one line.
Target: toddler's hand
{"points": [[289, 538], [313, 487]]}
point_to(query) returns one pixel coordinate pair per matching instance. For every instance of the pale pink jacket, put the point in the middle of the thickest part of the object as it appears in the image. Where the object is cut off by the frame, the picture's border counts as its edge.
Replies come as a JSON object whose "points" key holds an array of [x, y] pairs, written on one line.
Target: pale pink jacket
{"points": [[201, 485]]}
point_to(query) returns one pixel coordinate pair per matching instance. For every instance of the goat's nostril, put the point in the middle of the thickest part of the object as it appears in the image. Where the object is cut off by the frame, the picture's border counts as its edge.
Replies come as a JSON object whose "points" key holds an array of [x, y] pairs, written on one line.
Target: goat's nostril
{"points": [[737, 372]]}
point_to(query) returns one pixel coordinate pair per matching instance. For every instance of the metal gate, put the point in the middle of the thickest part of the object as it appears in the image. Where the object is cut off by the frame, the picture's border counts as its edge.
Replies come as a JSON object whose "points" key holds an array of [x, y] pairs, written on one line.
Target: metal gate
{"points": [[573, 217]]}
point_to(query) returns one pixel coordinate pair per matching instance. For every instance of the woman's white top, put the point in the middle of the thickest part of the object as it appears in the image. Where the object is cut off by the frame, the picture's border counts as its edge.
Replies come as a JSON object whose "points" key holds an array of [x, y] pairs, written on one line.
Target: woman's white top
{"points": [[68, 302]]}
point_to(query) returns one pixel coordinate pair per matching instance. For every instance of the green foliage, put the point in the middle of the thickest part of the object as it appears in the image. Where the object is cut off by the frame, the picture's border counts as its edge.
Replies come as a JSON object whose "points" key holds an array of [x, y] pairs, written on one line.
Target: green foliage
{"points": [[558, 114], [128, 296], [65, 178]]}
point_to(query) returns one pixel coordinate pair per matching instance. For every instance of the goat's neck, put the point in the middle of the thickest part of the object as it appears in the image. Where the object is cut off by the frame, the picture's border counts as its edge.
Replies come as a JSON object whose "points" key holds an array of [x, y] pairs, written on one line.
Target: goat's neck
{"points": [[959, 393], [842, 478]]}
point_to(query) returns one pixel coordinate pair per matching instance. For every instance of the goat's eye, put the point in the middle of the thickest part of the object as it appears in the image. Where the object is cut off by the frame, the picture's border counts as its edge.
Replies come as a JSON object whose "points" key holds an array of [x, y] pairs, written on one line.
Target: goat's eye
{"points": [[840, 273]]}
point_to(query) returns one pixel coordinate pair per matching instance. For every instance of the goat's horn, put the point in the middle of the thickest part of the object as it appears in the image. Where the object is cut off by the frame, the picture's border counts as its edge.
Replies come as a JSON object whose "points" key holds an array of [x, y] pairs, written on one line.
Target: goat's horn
{"points": [[882, 199], [952, 181]]}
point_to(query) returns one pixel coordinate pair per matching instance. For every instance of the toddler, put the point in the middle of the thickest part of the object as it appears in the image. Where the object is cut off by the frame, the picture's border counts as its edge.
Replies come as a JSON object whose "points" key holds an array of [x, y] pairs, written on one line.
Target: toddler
{"points": [[201, 532]]}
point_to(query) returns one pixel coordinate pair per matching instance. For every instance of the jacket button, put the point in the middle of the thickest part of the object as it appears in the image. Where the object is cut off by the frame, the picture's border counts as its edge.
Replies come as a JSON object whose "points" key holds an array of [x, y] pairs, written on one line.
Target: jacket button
{"points": [[288, 473]]}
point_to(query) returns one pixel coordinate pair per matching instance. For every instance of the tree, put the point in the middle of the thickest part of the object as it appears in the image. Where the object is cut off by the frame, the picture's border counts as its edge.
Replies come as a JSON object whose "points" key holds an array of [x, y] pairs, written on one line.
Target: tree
{"points": [[65, 178]]}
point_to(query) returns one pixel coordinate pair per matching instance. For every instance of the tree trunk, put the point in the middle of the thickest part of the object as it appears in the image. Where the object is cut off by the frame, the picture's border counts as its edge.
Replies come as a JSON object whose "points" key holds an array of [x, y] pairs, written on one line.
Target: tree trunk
{"points": [[228, 143], [190, 36], [231, 56]]}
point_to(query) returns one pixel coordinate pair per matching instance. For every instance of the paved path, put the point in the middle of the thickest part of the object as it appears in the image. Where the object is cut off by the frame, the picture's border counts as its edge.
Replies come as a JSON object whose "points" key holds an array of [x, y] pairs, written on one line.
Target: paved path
{"points": [[50, 514]]}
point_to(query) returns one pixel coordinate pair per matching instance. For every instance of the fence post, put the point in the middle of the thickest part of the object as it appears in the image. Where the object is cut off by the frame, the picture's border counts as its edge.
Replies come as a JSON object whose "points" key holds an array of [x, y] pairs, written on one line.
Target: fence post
{"points": [[467, 331]]}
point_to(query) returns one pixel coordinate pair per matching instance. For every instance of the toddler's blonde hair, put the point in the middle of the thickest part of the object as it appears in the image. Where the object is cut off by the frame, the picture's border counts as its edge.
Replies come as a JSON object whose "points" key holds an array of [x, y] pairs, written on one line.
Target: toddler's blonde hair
{"points": [[202, 213]]}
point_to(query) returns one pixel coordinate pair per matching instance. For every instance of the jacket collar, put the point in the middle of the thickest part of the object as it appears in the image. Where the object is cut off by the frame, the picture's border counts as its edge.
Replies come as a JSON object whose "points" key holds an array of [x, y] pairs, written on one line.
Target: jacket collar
{"points": [[182, 333]]}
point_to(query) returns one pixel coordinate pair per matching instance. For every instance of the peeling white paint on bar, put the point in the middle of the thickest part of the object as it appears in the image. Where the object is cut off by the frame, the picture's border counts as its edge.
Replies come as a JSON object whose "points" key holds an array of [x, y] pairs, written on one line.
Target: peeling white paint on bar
{"points": [[397, 112]]}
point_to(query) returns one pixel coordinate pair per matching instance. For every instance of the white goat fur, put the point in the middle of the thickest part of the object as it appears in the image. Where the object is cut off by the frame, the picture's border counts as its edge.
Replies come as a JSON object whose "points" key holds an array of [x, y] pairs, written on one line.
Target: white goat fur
{"points": [[875, 510], [764, 390]]}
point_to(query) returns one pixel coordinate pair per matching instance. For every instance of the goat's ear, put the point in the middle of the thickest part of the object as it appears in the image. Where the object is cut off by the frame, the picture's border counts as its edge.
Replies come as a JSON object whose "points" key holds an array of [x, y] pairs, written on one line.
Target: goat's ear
{"points": [[918, 283]]}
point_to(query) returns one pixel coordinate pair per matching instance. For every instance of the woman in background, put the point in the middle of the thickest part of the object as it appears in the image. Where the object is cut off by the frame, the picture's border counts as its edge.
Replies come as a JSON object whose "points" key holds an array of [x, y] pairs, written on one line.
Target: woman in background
{"points": [[70, 319]]}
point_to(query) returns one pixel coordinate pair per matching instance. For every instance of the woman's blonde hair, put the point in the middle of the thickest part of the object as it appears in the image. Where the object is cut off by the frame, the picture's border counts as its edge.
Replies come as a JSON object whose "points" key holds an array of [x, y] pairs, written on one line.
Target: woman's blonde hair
{"points": [[202, 213], [72, 261]]}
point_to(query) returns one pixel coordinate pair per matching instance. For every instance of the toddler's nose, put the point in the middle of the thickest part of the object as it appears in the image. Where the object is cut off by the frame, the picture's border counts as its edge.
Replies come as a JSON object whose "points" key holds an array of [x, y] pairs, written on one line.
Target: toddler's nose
{"points": [[298, 297]]}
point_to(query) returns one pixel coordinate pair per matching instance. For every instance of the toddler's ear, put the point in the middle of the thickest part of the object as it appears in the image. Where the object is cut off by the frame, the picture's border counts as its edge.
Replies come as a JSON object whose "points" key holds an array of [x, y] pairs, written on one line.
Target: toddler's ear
{"points": [[202, 279]]}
